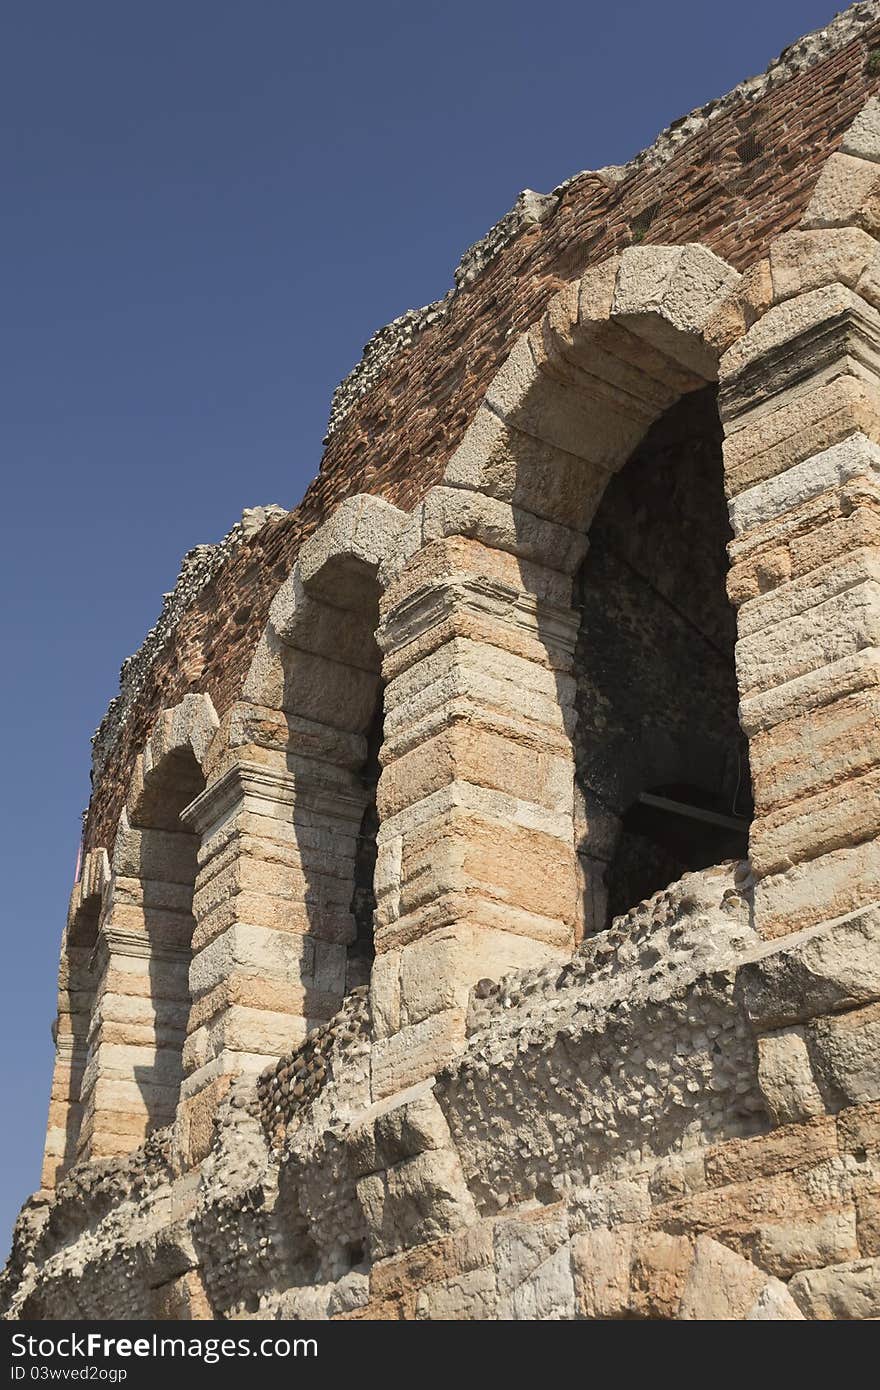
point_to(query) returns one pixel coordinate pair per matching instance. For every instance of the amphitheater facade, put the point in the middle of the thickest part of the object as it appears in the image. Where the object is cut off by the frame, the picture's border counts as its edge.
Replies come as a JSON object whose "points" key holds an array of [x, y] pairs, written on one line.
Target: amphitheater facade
{"points": [[479, 908]]}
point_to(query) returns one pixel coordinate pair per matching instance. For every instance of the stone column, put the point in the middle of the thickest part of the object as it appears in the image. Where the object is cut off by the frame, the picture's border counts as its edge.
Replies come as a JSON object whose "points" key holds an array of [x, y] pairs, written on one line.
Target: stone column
{"points": [[476, 871], [273, 898], [70, 1033], [132, 1078], [76, 992], [800, 400]]}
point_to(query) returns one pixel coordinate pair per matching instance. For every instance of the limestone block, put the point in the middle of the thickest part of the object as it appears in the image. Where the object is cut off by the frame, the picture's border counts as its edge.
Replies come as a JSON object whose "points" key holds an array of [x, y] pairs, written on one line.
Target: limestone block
{"points": [[808, 591], [167, 855], [182, 1300], [755, 289], [603, 359], [863, 137], [463, 676], [251, 950], [253, 1030], [786, 1077], [824, 1238], [795, 319], [321, 689], [866, 1192], [416, 1052], [348, 548], [666, 294], [774, 1303], [462, 568], [439, 971], [452, 511], [815, 825], [188, 728], [845, 1053], [547, 1293], [802, 261], [470, 1297], [850, 1290], [806, 694], [833, 885], [764, 444], [531, 475], [825, 969], [304, 621], [846, 194], [385, 993], [726, 323], [522, 1243], [417, 1201], [486, 759], [858, 1129], [814, 751], [528, 399], [722, 1286], [839, 627], [854, 457], [464, 853], [601, 1262]]}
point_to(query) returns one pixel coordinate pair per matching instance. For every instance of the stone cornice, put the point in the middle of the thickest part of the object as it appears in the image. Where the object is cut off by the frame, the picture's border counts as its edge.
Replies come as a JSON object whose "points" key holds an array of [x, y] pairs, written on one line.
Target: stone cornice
{"points": [[248, 779]]}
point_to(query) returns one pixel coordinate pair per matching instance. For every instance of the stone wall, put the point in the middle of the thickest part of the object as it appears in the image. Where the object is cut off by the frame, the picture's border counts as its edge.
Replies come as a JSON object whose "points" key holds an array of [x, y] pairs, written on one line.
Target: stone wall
{"points": [[395, 440], [674, 1116], [604, 1147]]}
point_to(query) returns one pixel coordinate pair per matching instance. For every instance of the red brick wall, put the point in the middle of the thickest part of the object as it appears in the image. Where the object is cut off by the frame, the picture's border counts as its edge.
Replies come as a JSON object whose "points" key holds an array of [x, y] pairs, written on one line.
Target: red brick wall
{"points": [[396, 440]]}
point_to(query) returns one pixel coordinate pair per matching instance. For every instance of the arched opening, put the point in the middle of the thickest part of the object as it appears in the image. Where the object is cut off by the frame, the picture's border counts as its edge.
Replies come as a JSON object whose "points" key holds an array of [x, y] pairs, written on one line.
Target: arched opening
{"points": [[70, 1031], [168, 863], [134, 1068], [662, 766]]}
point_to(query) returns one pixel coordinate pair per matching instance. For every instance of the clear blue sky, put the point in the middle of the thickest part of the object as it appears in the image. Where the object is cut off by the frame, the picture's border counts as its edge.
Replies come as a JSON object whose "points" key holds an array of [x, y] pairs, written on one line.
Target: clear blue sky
{"points": [[207, 208]]}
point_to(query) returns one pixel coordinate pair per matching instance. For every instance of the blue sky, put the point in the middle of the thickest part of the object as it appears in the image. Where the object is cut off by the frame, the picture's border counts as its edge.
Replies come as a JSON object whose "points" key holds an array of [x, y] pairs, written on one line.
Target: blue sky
{"points": [[207, 208]]}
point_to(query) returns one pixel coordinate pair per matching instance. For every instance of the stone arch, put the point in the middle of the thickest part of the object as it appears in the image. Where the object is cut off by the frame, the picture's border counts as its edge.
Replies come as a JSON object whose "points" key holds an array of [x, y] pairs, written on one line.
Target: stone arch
{"points": [[76, 992], [285, 820], [142, 1001], [477, 869]]}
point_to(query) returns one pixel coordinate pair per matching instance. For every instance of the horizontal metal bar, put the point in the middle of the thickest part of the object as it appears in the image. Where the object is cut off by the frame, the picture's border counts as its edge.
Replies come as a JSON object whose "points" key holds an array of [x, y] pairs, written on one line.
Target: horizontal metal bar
{"points": [[682, 808]]}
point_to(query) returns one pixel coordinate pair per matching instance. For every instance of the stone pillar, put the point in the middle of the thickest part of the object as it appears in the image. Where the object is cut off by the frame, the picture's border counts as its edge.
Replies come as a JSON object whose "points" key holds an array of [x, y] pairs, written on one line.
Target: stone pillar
{"points": [[280, 819], [476, 871], [273, 898], [70, 1033], [800, 400], [76, 992], [132, 1079]]}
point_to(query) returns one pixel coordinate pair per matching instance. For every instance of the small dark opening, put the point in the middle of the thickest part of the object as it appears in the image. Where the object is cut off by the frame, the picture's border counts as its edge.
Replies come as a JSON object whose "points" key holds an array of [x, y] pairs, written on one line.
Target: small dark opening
{"points": [[665, 836], [363, 902]]}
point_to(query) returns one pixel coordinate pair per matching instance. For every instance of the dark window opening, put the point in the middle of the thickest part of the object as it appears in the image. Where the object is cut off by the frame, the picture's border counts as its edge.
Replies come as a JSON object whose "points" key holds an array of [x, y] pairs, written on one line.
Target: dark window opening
{"points": [[363, 903], [662, 768]]}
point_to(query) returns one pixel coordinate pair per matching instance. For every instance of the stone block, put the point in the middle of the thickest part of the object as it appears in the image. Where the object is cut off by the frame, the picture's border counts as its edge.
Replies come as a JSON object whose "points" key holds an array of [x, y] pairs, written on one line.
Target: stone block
{"points": [[786, 1078], [721, 1286], [847, 194], [506, 463], [850, 1290], [845, 1053], [862, 139], [834, 885], [802, 261], [825, 969]]}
